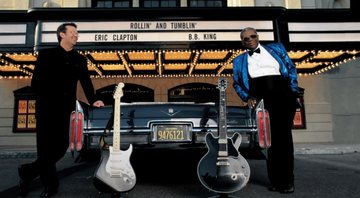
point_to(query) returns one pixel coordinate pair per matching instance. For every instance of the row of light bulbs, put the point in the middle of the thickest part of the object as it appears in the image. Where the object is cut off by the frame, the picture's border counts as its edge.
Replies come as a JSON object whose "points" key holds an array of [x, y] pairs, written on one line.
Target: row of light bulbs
{"points": [[28, 74]]}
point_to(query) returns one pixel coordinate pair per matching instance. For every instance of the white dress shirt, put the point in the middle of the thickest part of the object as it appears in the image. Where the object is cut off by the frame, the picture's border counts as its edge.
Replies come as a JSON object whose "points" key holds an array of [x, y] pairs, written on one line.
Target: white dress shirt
{"points": [[262, 64]]}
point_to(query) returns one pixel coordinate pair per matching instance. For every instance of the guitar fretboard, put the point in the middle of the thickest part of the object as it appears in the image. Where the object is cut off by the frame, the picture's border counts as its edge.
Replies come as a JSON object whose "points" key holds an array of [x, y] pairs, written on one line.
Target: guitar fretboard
{"points": [[116, 134], [223, 144], [116, 127]]}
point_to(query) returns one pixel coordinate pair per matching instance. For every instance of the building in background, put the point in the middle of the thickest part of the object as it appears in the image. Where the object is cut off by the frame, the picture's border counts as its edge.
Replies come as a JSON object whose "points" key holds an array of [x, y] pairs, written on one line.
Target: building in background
{"points": [[323, 41], [289, 4]]}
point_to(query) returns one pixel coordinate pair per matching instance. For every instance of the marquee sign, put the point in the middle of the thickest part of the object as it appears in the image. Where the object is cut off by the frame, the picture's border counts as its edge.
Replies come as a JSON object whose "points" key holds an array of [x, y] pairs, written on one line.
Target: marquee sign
{"points": [[159, 31]]}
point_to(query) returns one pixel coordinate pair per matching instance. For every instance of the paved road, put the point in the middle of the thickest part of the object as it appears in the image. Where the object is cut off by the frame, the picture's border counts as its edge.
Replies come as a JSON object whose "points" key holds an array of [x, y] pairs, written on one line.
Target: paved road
{"points": [[161, 174]]}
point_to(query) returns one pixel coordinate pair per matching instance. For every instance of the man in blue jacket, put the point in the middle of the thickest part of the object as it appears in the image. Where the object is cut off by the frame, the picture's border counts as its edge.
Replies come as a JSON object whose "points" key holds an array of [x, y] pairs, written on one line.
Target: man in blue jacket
{"points": [[267, 72]]}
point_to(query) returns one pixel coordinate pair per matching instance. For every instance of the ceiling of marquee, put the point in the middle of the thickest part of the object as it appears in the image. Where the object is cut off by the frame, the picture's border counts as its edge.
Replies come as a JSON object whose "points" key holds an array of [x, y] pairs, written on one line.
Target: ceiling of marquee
{"points": [[107, 64]]}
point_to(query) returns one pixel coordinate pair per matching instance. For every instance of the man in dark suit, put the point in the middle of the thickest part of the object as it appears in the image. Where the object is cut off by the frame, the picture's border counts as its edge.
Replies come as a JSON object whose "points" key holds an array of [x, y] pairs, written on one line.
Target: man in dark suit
{"points": [[54, 82], [267, 72]]}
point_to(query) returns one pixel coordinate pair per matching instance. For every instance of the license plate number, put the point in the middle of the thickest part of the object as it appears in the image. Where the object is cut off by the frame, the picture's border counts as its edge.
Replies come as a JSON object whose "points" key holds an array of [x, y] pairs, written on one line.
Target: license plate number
{"points": [[171, 133]]}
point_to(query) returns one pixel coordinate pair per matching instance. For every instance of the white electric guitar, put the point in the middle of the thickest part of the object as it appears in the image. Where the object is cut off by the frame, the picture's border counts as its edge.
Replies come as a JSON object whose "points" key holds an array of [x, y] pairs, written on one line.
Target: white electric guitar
{"points": [[115, 173]]}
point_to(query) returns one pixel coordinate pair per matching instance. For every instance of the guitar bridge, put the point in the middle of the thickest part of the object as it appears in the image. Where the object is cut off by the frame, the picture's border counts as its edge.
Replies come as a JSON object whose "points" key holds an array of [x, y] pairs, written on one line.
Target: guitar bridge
{"points": [[222, 161], [115, 174]]}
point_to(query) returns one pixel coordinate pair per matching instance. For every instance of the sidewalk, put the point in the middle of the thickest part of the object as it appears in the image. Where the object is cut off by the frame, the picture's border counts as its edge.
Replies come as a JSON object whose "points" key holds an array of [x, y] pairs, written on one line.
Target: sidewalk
{"points": [[16, 151], [8, 151], [325, 148]]}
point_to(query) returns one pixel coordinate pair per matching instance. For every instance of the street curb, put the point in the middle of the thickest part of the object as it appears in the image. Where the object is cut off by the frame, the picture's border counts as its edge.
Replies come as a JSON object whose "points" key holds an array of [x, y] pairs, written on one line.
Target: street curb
{"points": [[17, 154], [327, 149]]}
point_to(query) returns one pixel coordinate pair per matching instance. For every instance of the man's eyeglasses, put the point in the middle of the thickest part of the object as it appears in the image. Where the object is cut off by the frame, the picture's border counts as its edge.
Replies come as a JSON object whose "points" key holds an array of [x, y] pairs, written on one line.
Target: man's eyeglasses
{"points": [[253, 36]]}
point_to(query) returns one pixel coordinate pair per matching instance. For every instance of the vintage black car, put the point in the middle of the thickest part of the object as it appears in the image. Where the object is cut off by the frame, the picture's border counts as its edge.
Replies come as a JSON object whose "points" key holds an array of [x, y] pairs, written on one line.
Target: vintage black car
{"points": [[169, 125]]}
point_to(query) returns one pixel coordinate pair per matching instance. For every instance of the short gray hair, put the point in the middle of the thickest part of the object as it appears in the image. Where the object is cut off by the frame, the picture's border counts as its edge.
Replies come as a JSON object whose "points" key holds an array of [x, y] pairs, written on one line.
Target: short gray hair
{"points": [[246, 29]]}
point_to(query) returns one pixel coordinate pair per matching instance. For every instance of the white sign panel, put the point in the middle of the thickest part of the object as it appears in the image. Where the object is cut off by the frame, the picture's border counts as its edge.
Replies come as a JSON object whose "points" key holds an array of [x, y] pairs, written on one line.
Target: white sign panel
{"points": [[324, 32], [13, 28], [12, 34], [12, 39], [162, 25], [160, 31], [159, 37]]}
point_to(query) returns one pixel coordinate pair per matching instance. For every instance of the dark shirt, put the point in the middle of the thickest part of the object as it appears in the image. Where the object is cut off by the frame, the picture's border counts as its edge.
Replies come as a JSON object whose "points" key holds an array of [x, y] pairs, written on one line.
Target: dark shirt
{"points": [[56, 75]]}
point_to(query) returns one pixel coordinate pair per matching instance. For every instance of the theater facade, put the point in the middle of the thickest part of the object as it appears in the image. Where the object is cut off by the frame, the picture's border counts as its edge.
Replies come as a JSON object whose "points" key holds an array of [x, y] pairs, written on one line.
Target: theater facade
{"points": [[177, 54]]}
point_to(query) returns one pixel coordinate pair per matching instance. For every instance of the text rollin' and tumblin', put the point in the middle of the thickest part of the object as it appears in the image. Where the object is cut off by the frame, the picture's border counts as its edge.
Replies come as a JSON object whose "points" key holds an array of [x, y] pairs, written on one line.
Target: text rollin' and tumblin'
{"points": [[162, 25]]}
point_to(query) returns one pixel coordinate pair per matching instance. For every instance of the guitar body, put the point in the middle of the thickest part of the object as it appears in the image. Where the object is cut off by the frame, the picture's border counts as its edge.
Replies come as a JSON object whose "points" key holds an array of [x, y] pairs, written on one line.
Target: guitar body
{"points": [[122, 181], [223, 174]]}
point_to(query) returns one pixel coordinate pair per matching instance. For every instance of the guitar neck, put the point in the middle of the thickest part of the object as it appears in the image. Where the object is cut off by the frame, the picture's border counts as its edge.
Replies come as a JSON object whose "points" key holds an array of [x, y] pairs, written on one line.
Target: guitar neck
{"points": [[116, 133], [223, 142], [222, 115]]}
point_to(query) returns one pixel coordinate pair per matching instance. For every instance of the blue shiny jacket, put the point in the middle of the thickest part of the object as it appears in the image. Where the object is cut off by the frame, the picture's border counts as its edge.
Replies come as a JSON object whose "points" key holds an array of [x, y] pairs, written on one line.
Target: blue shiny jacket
{"points": [[241, 75]]}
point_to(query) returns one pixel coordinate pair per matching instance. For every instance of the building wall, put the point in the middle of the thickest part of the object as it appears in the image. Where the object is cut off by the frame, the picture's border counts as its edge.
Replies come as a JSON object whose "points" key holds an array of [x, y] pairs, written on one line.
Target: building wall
{"points": [[319, 125], [14, 4], [333, 3], [290, 4], [161, 85], [331, 100], [26, 4], [345, 94], [7, 137], [332, 103]]}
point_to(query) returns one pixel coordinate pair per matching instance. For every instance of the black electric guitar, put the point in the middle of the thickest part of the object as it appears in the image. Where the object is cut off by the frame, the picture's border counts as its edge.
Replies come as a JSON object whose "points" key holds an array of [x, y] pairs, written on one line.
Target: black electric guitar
{"points": [[223, 169], [115, 173]]}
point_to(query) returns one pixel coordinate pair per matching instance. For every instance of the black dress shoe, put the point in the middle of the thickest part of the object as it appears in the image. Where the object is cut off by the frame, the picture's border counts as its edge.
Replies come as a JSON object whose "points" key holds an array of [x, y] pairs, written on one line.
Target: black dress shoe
{"points": [[49, 191], [23, 183], [282, 189], [288, 189], [23, 188], [272, 188]]}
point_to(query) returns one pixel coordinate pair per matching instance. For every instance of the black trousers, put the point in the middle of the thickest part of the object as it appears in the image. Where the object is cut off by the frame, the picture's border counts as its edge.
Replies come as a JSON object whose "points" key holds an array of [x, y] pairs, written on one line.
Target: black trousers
{"points": [[52, 140], [280, 101]]}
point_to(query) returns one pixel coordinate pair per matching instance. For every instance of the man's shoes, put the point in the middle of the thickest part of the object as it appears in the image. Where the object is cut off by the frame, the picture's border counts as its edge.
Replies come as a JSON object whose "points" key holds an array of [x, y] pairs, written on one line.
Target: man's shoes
{"points": [[283, 189], [272, 188], [23, 183], [23, 188], [288, 189], [49, 191]]}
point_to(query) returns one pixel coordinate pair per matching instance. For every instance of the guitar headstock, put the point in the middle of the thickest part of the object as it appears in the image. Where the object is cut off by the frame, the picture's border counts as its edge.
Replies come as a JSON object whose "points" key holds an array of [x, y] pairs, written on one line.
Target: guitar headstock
{"points": [[118, 91], [222, 84]]}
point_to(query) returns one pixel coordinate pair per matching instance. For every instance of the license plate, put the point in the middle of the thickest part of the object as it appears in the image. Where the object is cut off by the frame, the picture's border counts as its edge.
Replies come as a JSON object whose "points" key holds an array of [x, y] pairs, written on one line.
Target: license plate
{"points": [[171, 133]]}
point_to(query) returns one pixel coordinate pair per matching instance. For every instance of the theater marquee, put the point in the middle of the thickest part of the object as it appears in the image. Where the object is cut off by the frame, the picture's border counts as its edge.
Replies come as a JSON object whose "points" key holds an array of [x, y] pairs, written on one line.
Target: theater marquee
{"points": [[159, 31]]}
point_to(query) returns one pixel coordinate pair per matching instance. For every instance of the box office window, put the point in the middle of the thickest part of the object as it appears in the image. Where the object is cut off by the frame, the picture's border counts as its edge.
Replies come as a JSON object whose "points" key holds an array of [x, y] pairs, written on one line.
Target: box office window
{"points": [[160, 3], [299, 121], [206, 3], [24, 111], [111, 4]]}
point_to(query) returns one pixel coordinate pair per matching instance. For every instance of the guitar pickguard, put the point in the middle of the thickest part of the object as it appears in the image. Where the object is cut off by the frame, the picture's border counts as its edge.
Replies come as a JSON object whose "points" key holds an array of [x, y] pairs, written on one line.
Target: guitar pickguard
{"points": [[117, 174]]}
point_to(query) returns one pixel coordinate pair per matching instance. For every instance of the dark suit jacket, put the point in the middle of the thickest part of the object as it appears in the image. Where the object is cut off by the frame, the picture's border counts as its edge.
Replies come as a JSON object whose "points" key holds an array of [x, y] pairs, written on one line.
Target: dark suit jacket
{"points": [[57, 73], [54, 82]]}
